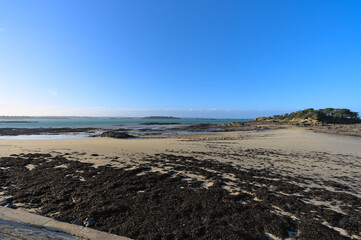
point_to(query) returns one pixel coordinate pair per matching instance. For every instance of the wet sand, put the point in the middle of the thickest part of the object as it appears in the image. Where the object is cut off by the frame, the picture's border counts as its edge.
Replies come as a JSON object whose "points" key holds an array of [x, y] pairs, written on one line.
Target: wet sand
{"points": [[248, 185]]}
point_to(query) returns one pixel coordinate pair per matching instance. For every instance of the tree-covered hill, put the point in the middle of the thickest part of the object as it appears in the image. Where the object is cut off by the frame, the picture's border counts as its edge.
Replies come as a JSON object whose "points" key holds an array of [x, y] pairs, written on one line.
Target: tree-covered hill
{"points": [[328, 115]]}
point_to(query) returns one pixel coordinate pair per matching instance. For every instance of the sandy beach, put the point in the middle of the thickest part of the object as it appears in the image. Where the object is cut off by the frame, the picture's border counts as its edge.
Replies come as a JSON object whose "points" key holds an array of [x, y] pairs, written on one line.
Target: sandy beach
{"points": [[288, 183]]}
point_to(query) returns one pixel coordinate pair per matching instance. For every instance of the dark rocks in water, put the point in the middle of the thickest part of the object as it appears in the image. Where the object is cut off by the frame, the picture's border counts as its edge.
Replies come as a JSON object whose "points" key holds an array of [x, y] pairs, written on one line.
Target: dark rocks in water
{"points": [[197, 127], [88, 222], [225, 127], [150, 130], [31, 131], [116, 134], [121, 129]]}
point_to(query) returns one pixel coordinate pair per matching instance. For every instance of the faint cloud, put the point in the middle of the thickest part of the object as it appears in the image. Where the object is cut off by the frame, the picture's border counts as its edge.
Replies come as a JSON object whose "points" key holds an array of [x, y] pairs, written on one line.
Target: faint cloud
{"points": [[2, 30], [53, 92], [18, 109]]}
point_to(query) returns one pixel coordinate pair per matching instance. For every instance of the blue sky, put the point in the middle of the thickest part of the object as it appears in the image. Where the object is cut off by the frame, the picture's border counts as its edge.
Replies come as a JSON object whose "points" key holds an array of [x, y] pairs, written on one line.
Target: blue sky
{"points": [[186, 58]]}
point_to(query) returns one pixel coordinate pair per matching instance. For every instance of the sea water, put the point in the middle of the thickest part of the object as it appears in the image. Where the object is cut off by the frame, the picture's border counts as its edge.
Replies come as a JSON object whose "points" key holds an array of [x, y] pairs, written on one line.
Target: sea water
{"points": [[101, 122], [135, 124]]}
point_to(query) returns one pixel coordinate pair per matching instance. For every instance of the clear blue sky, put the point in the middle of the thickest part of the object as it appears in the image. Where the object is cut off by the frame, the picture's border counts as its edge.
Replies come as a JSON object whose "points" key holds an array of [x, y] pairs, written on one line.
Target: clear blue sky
{"points": [[193, 58]]}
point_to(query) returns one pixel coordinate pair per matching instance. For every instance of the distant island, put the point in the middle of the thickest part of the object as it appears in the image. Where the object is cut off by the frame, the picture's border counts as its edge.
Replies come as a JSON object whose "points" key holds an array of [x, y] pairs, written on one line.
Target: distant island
{"points": [[327, 115], [161, 117]]}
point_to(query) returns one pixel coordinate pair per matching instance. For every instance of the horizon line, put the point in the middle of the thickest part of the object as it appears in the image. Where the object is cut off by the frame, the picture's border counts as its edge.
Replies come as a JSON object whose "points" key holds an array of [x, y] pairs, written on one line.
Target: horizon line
{"points": [[63, 116]]}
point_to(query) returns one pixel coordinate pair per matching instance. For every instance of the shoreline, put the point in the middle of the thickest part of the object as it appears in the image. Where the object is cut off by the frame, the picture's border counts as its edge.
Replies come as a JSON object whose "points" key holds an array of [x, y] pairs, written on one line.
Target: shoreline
{"points": [[155, 129]]}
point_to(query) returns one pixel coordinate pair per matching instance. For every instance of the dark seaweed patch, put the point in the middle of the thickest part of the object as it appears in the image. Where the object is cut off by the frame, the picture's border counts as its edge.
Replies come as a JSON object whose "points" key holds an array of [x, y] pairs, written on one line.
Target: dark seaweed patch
{"points": [[142, 204]]}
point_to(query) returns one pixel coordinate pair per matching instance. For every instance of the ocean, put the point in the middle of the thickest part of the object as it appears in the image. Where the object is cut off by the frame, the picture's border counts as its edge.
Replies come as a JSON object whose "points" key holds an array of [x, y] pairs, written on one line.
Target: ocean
{"points": [[99, 122]]}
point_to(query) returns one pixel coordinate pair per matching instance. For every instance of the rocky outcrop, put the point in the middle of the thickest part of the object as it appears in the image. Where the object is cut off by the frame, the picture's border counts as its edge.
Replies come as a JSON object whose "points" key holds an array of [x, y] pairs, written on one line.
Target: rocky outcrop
{"points": [[232, 124], [116, 134]]}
